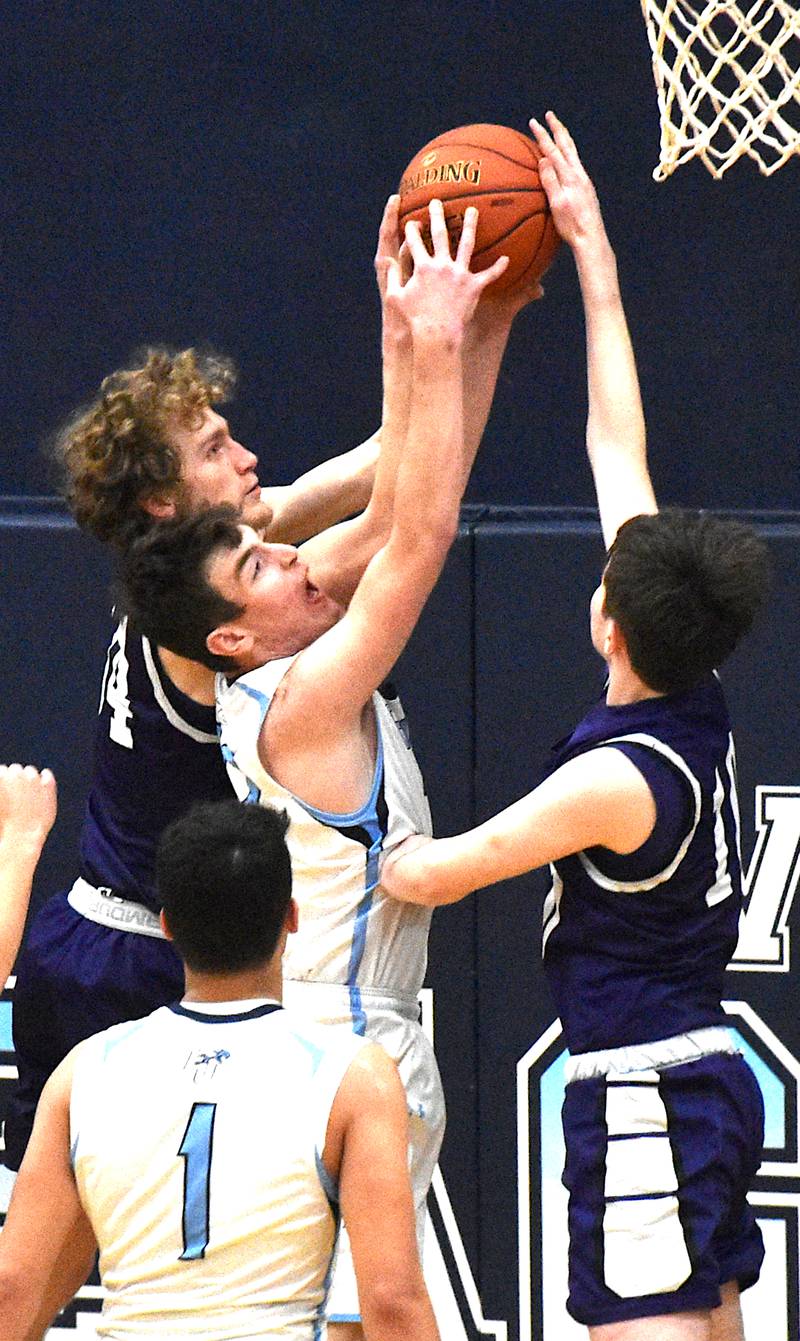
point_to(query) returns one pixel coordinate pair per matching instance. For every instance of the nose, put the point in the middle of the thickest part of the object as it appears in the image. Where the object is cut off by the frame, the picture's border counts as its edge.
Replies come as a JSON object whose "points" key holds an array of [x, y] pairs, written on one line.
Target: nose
{"points": [[244, 460], [286, 555]]}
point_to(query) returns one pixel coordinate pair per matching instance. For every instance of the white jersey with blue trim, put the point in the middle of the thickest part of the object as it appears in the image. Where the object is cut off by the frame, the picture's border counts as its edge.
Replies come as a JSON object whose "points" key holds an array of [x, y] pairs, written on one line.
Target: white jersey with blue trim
{"points": [[350, 932], [197, 1137]]}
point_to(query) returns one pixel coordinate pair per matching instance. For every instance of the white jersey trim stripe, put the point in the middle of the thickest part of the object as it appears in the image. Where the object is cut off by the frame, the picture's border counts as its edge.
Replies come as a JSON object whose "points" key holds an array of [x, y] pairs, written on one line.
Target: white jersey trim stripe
{"points": [[642, 886], [174, 718]]}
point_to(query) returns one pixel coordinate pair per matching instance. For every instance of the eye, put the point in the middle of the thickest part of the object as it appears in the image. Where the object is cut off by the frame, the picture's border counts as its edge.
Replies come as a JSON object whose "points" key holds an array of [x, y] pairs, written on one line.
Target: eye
{"points": [[257, 566], [213, 450]]}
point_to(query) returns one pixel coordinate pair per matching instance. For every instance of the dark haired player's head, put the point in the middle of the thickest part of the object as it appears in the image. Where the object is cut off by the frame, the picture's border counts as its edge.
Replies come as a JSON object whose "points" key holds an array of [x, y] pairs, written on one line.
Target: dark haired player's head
{"points": [[684, 588], [224, 877], [165, 589]]}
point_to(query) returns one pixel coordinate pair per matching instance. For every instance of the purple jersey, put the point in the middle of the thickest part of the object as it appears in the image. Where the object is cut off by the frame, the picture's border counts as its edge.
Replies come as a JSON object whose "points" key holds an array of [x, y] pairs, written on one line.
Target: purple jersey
{"points": [[156, 752], [635, 947]]}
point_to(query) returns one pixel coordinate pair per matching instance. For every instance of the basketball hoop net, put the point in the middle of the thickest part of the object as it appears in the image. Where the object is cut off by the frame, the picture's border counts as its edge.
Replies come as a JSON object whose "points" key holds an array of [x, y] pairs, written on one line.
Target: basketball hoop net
{"points": [[728, 81]]}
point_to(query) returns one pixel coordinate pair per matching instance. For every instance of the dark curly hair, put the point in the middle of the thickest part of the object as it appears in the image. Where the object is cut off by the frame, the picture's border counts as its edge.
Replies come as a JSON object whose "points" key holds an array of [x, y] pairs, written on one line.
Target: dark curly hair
{"points": [[115, 452], [684, 588]]}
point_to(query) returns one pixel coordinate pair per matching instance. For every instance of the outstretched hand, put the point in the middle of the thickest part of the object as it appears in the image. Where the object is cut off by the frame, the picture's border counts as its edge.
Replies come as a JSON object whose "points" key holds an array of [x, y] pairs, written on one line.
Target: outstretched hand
{"points": [[442, 293], [28, 806], [569, 189]]}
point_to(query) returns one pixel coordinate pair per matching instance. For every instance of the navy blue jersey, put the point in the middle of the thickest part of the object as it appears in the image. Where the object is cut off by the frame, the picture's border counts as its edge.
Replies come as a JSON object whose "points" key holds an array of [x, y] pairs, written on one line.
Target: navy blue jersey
{"points": [[156, 752], [635, 947]]}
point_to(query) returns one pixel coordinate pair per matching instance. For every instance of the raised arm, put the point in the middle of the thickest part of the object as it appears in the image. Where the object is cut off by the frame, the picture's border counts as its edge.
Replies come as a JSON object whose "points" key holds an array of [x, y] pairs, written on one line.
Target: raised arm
{"points": [[338, 557], [322, 496], [615, 429], [27, 812], [368, 1142], [600, 798], [328, 686]]}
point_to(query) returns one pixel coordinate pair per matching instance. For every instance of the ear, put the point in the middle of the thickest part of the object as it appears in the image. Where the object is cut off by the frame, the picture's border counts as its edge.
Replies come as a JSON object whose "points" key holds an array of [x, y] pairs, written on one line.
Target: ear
{"points": [[292, 916], [227, 640], [158, 505], [164, 926], [613, 639]]}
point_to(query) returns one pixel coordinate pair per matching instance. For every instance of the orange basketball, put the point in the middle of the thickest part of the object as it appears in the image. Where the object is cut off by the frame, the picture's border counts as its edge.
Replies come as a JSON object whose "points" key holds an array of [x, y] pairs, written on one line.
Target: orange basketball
{"points": [[496, 169]]}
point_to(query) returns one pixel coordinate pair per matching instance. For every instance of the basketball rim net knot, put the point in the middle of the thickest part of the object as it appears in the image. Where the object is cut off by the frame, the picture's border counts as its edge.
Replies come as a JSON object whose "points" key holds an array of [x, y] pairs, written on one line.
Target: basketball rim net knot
{"points": [[728, 82]]}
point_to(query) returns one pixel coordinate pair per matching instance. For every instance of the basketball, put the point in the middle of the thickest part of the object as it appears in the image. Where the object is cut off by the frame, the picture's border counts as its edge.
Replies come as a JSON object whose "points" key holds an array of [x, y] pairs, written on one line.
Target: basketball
{"points": [[496, 169]]}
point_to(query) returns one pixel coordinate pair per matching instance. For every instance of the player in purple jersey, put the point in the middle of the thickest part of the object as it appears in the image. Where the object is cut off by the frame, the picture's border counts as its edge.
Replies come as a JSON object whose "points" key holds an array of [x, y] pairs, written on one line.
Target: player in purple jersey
{"points": [[663, 1119]]}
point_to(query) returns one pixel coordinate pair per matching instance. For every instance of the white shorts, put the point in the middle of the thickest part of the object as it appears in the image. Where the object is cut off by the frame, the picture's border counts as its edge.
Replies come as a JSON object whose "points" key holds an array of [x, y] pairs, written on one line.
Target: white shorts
{"points": [[394, 1023]]}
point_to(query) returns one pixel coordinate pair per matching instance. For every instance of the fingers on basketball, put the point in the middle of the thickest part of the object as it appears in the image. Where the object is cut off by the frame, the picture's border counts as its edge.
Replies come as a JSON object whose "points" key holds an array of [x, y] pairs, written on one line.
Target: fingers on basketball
{"points": [[496, 169], [466, 239]]}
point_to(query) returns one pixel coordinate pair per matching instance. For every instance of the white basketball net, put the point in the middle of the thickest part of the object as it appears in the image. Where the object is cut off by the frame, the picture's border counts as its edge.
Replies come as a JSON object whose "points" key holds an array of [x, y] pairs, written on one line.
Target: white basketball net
{"points": [[728, 81]]}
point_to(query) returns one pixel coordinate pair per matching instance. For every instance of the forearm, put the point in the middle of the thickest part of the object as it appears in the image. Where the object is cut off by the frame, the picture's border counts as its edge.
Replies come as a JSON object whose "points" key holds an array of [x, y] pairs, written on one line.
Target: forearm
{"points": [[430, 475], [324, 495], [446, 870], [483, 356], [338, 556], [397, 355], [388, 1316], [616, 438], [17, 1311], [17, 867]]}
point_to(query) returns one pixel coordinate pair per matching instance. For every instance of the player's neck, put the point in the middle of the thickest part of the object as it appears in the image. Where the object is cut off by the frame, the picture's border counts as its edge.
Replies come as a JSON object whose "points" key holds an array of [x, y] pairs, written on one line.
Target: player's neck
{"points": [[625, 686], [248, 985], [193, 680]]}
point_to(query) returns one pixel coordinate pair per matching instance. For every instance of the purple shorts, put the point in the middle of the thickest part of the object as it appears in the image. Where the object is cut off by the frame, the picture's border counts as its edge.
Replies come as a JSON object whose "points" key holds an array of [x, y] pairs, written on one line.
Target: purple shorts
{"points": [[75, 977], [658, 1167]]}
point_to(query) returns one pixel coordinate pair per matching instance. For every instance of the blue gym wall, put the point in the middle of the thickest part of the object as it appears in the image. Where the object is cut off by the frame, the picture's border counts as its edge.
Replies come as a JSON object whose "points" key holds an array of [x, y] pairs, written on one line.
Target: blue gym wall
{"points": [[193, 174], [186, 172]]}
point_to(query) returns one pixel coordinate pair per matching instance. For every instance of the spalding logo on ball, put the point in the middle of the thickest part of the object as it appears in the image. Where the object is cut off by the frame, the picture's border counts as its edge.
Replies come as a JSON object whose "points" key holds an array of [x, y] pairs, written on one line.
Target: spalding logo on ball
{"points": [[496, 169]]}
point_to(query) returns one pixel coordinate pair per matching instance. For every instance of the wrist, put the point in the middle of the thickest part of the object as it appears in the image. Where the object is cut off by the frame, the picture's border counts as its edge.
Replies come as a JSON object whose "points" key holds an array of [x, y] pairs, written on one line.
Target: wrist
{"points": [[594, 255], [437, 340], [21, 849]]}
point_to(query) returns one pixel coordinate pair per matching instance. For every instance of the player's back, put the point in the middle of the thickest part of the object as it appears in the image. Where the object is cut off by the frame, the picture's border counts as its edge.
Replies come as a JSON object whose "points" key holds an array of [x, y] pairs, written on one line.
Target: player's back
{"points": [[197, 1136], [156, 752]]}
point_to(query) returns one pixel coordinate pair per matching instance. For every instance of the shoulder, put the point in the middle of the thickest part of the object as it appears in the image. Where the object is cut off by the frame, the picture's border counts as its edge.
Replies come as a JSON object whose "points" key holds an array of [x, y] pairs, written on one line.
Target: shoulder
{"points": [[256, 686], [372, 1076]]}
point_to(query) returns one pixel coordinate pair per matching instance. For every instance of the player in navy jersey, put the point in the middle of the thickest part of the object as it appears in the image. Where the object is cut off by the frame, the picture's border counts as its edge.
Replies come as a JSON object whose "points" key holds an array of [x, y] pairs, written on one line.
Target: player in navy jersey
{"points": [[637, 815], [206, 1150]]}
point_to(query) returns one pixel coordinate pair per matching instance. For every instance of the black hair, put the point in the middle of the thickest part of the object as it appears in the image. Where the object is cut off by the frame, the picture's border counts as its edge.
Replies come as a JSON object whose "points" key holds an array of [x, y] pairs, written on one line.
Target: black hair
{"points": [[164, 587], [684, 588], [224, 877]]}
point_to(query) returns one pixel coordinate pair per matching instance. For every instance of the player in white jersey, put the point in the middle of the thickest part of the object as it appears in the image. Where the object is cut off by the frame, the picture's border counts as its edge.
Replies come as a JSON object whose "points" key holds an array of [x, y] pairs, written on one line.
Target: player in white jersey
{"points": [[317, 737], [206, 1149], [360, 959]]}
